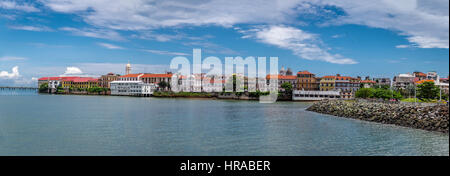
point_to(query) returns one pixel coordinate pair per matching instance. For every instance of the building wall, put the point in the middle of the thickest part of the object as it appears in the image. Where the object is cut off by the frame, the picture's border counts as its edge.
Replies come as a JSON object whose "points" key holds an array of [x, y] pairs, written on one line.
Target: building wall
{"points": [[105, 80], [307, 82], [327, 84]]}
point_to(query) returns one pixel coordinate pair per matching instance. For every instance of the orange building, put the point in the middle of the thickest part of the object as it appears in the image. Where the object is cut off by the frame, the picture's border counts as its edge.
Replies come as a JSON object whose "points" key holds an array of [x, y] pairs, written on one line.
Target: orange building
{"points": [[307, 81]]}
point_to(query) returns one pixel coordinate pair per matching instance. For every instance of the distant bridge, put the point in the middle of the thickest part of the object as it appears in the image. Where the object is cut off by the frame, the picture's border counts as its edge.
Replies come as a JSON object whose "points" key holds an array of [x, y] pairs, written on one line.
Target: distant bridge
{"points": [[18, 88]]}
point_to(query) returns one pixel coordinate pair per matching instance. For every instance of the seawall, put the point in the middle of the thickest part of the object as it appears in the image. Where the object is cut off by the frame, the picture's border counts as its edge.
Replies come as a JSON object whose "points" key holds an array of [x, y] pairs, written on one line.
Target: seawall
{"points": [[431, 118]]}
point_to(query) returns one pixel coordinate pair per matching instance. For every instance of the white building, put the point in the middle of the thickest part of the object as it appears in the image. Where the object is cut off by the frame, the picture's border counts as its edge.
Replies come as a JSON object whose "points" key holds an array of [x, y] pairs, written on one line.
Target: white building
{"points": [[132, 88], [402, 81], [303, 95]]}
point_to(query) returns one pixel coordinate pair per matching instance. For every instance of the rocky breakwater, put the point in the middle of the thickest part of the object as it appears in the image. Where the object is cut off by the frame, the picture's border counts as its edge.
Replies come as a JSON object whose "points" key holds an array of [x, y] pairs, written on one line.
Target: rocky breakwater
{"points": [[431, 118]]}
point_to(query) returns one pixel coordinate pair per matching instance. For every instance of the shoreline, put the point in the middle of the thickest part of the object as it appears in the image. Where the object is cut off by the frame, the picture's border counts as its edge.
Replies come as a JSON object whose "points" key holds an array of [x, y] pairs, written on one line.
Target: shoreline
{"points": [[429, 118]]}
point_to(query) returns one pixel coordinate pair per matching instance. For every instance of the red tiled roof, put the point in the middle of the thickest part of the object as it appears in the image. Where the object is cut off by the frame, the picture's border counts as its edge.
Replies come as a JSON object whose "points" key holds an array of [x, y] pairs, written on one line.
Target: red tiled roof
{"points": [[84, 79], [329, 77], [56, 78], [343, 78], [422, 81], [130, 75], [157, 76], [281, 76], [48, 78], [421, 74], [368, 81], [304, 73]]}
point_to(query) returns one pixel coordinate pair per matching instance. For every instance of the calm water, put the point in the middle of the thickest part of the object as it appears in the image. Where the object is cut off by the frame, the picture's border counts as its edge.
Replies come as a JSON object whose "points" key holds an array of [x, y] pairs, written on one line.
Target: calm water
{"points": [[96, 125]]}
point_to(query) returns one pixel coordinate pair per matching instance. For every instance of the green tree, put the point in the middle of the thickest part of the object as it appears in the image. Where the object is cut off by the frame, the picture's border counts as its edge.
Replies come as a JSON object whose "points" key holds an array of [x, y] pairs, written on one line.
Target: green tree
{"points": [[427, 90], [365, 93], [163, 84], [287, 86], [43, 88]]}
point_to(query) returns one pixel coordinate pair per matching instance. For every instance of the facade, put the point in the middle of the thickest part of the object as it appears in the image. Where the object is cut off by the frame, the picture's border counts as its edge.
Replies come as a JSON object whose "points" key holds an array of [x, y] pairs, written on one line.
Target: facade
{"points": [[368, 83], [307, 81], [80, 83], [131, 77], [327, 83], [420, 76], [132, 88], [402, 81], [283, 79], [105, 80], [382, 82], [157, 78], [432, 76], [302, 95], [54, 82], [347, 86]]}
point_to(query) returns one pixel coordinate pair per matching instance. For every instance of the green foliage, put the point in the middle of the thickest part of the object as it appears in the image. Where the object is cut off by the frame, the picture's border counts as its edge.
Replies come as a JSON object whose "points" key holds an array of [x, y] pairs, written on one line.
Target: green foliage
{"points": [[365, 93], [287, 86], [163, 84], [427, 90], [97, 89], [43, 88], [378, 93], [411, 100]]}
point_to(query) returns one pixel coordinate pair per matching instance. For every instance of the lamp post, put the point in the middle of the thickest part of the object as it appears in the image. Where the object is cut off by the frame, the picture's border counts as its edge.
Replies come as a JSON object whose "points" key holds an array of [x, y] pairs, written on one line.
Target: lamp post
{"points": [[415, 95]]}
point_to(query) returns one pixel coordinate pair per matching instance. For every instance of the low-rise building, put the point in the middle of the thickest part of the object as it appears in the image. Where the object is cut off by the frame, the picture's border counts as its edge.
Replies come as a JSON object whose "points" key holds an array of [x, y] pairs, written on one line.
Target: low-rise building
{"points": [[54, 82], [157, 78], [307, 81], [132, 88], [420, 75], [367, 83], [131, 77], [304, 95], [402, 81], [380, 82], [347, 86], [327, 83], [80, 83], [292, 79], [105, 80]]}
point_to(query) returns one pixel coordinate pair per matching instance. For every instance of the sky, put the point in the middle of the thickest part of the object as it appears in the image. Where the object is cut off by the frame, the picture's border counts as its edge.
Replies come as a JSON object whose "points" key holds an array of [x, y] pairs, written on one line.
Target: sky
{"points": [[376, 38]]}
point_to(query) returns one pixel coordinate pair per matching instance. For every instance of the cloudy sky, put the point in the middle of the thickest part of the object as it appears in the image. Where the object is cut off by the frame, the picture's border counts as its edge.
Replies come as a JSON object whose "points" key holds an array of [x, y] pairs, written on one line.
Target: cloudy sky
{"points": [[380, 38]]}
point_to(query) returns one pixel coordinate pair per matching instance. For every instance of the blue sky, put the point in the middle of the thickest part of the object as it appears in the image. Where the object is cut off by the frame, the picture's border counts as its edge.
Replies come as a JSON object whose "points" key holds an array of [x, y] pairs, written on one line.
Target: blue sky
{"points": [[94, 37]]}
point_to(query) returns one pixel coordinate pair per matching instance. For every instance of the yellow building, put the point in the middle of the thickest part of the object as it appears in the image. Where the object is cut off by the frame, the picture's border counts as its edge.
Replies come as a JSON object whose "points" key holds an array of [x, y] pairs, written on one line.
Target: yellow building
{"points": [[80, 83], [328, 83]]}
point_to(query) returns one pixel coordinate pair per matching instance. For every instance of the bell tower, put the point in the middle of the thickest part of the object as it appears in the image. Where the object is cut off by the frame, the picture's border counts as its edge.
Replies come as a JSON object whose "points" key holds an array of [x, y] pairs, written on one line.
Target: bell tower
{"points": [[128, 68]]}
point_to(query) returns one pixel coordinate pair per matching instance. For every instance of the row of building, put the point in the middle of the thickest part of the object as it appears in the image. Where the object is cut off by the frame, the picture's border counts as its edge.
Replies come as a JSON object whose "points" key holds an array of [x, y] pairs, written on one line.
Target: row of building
{"points": [[338, 86]]}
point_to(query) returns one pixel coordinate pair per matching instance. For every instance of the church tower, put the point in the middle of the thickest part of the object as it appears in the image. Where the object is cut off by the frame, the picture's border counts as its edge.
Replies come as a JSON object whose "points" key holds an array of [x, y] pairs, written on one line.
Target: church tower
{"points": [[128, 68]]}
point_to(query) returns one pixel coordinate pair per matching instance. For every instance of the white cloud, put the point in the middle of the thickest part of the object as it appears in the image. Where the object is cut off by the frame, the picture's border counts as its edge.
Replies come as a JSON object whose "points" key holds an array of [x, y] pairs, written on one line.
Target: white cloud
{"points": [[31, 28], [146, 14], [425, 23], [13, 5], [110, 46], [403, 46], [422, 22], [95, 33], [12, 58], [301, 43], [14, 74], [161, 52], [73, 71]]}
